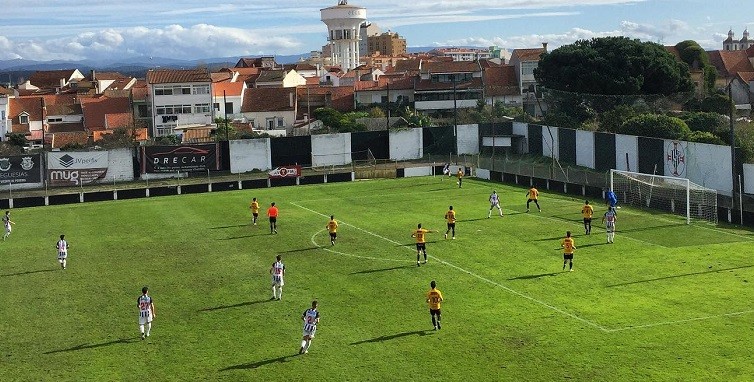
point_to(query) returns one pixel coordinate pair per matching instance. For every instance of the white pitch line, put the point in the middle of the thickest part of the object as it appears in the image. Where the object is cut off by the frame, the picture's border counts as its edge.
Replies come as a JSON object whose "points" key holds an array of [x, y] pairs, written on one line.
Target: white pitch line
{"points": [[680, 321], [517, 293], [349, 254]]}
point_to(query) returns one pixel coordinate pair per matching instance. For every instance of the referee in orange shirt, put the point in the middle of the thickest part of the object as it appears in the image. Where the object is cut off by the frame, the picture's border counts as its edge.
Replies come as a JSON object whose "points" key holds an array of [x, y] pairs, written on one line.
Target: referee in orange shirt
{"points": [[272, 213]]}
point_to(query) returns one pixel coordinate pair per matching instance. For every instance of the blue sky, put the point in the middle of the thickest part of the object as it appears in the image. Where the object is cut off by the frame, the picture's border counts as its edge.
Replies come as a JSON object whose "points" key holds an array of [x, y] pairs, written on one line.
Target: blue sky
{"points": [[192, 29]]}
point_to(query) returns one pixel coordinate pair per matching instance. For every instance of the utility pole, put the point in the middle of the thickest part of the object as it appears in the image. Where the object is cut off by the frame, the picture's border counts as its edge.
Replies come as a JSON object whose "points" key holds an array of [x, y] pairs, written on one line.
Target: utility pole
{"points": [[225, 109], [732, 144], [387, 115]]}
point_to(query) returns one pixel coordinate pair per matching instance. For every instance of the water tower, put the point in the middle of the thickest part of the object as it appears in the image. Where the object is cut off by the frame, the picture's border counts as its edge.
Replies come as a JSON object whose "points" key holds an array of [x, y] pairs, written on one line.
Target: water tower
{"points": [[343, 24]]}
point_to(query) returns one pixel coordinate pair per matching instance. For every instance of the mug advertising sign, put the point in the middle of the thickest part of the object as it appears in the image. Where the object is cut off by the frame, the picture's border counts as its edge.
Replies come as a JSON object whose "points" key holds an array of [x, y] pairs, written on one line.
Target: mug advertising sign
{"points": [[21, 169], [285, 172], [187, 158], [76, 168]]}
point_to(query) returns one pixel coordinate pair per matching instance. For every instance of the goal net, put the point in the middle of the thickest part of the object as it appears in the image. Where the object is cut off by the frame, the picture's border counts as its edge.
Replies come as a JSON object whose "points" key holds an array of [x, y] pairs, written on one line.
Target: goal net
{"points": [[676, 195]]}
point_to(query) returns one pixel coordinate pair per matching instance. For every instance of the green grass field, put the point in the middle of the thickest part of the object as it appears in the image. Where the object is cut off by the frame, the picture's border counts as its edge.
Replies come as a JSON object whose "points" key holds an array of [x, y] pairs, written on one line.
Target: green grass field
{"points": [[666, 302]]}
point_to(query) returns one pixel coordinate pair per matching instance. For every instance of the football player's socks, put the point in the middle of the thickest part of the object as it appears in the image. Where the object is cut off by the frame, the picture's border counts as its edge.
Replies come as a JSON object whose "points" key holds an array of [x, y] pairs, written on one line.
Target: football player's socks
{"points": [[303, 344], [149, 328], [141, 329]]}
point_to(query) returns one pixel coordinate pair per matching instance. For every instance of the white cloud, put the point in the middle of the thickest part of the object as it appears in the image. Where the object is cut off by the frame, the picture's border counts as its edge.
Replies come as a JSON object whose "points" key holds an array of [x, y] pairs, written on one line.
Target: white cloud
{"points": [[173, 41]]}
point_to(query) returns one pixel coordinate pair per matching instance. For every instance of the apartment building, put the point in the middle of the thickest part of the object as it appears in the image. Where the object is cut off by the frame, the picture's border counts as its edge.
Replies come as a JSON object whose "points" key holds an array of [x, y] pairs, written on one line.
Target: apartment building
{"points": [[181, 99]]}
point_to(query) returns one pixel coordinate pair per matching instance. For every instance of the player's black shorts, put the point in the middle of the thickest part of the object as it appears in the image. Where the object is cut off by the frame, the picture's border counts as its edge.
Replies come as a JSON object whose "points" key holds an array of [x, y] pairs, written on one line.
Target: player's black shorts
{"points": [[531, 200], [451, 225], [435, 312], [255, 214], [333, 235], [568, 256], [421, 246], [587, 220], [273, 219]]}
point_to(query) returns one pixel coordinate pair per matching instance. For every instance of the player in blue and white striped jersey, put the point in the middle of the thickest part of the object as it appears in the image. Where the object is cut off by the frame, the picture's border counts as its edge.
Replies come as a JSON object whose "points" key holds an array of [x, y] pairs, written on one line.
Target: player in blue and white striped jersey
{"points": [[311, 319], [494, 202]]}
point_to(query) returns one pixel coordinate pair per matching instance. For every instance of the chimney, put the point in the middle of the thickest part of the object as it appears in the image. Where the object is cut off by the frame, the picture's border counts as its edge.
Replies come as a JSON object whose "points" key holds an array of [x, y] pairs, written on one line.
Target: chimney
{"points": [[93, 75], [544, 45]]}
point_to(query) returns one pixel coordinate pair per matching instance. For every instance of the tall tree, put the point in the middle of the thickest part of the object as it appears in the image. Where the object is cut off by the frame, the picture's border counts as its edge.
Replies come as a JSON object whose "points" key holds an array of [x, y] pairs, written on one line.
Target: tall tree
{"points": [[613, 66]]}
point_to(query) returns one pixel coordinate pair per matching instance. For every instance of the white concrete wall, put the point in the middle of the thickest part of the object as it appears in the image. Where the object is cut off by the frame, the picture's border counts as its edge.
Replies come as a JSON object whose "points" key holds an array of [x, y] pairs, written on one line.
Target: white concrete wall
{"points": [[704, 164], [482, 173], [585, 148], [467, 137], [626, 144], [550, 146], [250, 154], [331, 149], [120, 165], [748, 178], [406, 144], [417, 171], [520, 128]]}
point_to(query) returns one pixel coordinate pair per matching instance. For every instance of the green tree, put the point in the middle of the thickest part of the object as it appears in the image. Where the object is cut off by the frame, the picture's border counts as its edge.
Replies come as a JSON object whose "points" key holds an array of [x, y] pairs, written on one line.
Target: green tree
{"points": [[120, 137], [692, 54], [589, 77], [655, 125], [704, 121], [717, 103], [16, 139], [612, 120], [703, 137], [613, 66]]}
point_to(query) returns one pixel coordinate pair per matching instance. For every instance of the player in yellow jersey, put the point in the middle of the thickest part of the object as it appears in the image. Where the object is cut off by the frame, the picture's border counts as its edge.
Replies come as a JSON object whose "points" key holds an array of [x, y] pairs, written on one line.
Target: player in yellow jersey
{"points": [[254, 207], [569, 245], [450, 216], [434, 298], [459, 174], [533, 196], [332, 227], [421, 244], [587, 211]]}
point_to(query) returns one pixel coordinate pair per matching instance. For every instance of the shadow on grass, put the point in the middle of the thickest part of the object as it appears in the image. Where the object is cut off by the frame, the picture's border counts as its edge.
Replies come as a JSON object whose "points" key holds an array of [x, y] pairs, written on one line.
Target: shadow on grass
{"points": [[379, 270], [592, 245], [28, 272], [232, 226], [471, 220], [299, 250], [94, 346], [393, 336], [681, 275], [254, 365], [530, 277], [240, 304], [245, 236]]}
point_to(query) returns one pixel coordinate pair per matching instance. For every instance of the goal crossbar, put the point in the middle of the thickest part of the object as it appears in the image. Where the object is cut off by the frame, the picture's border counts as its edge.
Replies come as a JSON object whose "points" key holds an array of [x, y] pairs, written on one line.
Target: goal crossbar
{"points": [[676, 195]]}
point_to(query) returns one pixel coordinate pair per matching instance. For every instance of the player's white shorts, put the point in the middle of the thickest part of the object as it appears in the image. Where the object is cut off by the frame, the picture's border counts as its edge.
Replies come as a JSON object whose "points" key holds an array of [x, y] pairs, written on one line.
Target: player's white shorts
{"points": [[610, 227], [147, 318], [7, 228], [277, 281], [62, 255], [309, 333], [494, 205]]}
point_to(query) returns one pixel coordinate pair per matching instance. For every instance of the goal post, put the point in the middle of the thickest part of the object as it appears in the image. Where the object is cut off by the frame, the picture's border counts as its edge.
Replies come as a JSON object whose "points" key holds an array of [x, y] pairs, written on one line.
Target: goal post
{"points": [[675, 195]]}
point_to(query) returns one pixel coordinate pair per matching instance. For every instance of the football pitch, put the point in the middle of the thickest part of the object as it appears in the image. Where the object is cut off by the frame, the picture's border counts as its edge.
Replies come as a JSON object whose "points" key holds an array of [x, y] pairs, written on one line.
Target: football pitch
{"points": [[666, 302]]}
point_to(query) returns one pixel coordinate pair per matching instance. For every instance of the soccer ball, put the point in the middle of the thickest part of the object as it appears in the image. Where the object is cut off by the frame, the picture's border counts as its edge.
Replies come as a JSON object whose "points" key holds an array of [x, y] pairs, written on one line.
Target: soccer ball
{"points": [[458, 183]]}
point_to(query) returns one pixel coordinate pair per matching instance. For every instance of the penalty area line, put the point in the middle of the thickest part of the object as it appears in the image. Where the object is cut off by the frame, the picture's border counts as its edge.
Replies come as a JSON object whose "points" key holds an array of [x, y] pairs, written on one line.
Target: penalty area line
{"points": [[680, 321], [470, 273]]}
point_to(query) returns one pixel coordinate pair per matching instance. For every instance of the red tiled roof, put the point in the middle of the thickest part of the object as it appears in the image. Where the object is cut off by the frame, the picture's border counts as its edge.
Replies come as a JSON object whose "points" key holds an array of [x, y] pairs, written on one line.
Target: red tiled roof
{"points": [[451, 67], [531, 54], [140, 91], [178, 76], [268, 99], [65, 127], [29, 105], [62, 139], [339, 98], [746, 76], [231, 89], [501, 80], [221, 76], [730, 62], [50, 78], [410, 65], [107, 76], [106, 113]]}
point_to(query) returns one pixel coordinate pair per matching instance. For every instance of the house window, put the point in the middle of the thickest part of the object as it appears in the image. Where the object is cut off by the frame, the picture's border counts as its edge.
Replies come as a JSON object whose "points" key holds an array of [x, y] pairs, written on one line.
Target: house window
{"points": [[229, 108], [527, 68], [2, 115], [201, 108], [270, 123], [280, 123], [216, 106], [53, 120], [143, 111], [200, 89], [23, 119], [163, 91]]}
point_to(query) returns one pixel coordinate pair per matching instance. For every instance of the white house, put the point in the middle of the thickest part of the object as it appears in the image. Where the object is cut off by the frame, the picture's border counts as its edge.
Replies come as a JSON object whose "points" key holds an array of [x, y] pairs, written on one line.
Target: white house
{"points": [[228, 98], [270, 109], [181, 99]]}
